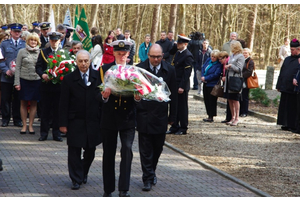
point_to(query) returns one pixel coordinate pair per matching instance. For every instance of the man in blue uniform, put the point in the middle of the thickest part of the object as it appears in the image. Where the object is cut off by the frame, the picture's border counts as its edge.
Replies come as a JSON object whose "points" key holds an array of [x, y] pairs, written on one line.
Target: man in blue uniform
{"points": [[182, 61], [10, 49]]}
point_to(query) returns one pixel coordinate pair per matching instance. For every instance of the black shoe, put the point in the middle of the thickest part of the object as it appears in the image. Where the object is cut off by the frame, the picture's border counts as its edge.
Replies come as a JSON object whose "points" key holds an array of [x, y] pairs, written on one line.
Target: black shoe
{"points": [[194, 88], [63, 135], [22, 132], [180, 133], [107, 194], [84, 179], [154, 180], [75, 186], [285, 128], [32, 133], [170, 132], [243, 115], [208, 120], [1, 168], [43, 138], [295, 131], [4, 124], [59, 139], [124, 194], [224, 121], [19, 124], [147, 186]]}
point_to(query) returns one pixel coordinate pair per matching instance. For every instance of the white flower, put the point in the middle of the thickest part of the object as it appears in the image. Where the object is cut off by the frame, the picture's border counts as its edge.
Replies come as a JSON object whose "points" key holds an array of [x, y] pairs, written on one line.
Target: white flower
{"points": [[63, 56], [62, 50]]}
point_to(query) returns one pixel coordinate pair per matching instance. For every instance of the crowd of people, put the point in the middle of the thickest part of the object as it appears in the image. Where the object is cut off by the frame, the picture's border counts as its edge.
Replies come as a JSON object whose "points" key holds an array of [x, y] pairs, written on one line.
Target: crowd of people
{"points": [[78, 110]]}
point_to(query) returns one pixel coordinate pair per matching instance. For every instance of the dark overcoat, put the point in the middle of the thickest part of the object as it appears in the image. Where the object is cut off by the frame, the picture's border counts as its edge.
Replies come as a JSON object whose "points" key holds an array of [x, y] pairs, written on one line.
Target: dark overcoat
{"points": [[153, 116], [118, 112], [79, 109]]}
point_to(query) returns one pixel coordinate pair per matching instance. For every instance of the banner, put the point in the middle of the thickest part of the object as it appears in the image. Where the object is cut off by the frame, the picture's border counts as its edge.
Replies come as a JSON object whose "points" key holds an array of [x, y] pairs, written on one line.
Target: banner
{"points": [[76, 17], [82, 32], [52, 21], [68, 18]]}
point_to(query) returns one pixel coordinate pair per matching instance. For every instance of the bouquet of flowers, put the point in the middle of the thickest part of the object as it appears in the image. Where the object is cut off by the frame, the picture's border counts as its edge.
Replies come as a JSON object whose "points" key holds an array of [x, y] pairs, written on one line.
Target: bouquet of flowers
{"points": [[59, 65], [130, 80], [12, 66]]}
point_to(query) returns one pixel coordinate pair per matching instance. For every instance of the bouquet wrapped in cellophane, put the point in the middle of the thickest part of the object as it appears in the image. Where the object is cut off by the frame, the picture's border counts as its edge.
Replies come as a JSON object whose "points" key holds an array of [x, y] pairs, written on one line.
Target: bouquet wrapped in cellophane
{"points": [[130, 80]]}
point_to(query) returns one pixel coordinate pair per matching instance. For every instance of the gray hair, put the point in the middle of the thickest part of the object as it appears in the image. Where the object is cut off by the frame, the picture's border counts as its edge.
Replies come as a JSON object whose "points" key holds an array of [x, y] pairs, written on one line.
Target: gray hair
{"points": [[83, 51], [147, 35], [234, 33], [75, 42], [248, 50], [25, 34], [61, 27]]}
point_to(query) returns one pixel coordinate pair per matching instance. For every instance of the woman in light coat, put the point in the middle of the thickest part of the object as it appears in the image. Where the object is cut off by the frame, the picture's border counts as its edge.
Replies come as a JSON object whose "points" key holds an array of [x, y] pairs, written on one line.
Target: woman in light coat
{"points": [[234, 68], [97, 52], [284, 51], [27, 81]]}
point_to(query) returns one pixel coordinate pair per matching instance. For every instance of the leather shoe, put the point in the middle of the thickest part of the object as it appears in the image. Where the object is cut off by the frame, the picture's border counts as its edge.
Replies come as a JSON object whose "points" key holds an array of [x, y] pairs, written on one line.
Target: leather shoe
{"points": [[224, 121], [295, 131], [170, 132], [180, 133], [208, 120], [107, 194], [19, 124], [59, 139], [75, 186], [42, 138], [285, 128], [124, 194], [1, 168], [22, 132], [243, 115], [147, 186], [154, 180], [84, 179], [4, 124]]}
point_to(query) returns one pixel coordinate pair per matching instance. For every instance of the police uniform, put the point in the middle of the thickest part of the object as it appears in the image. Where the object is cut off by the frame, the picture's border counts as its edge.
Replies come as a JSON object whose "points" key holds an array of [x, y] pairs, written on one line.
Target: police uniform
{"points": [[35, 24], [4, 27], [44, 40], [50, 94], [118, 117], [10, 49], [182, 61]]}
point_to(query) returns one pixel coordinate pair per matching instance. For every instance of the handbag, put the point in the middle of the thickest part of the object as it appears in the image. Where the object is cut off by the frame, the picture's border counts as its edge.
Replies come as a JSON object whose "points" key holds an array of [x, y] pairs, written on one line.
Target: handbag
{"points": [[252, 81], [235, 83], [218, 89], [278, 60]]}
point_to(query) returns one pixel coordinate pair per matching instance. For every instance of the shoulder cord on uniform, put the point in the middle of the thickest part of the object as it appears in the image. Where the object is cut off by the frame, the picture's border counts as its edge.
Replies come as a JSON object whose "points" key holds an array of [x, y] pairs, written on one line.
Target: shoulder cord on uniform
{"points": [[44, 56]]}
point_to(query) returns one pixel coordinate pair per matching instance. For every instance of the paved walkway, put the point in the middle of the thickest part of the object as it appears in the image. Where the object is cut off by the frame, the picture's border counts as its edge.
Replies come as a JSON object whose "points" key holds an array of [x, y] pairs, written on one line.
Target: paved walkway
{"points": [[39, 169]]}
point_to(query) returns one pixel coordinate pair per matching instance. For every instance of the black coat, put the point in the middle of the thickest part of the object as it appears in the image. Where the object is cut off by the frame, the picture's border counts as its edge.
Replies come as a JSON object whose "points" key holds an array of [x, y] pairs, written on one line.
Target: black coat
{"points": [[118, 112], [287, 73], [183, 65], [43, 42], [166, 46], [153, 116], [79, 109], [41, 66]]}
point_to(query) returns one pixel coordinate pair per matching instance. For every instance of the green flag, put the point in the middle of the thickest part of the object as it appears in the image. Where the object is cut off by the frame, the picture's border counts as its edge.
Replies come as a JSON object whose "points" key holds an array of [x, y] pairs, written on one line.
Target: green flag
{"points": [[76, 17], [82, 32]]}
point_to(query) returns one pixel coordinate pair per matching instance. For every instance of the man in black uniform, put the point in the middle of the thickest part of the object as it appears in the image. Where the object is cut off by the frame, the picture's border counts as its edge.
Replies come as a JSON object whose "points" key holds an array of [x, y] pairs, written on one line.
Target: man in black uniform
{"points": [[166, 45], [50, 93], [153, 116], [45, 28], [182, 61], [118, 117]]}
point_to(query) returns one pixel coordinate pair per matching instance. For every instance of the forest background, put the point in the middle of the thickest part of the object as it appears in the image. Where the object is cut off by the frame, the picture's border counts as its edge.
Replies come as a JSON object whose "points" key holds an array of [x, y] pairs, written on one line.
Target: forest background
{"points": [[262, 26]]}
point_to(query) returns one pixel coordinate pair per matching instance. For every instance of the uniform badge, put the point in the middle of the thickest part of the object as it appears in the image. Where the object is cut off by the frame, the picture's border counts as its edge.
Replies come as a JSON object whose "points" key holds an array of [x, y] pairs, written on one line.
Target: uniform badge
{"points": [[44, 25], [121, 44], [53, 34]]}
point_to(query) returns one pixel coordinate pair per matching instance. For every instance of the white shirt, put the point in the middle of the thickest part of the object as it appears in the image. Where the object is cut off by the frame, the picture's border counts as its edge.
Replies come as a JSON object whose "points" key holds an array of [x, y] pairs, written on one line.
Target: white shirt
{"points": [[87, 75], [14, 41], [156, 68]]}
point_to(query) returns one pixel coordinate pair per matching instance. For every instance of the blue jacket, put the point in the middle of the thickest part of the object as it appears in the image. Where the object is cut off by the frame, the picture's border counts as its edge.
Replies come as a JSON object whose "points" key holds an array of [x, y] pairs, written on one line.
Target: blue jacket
{"points": [[213, 74], [10, 53], [143, 52]]}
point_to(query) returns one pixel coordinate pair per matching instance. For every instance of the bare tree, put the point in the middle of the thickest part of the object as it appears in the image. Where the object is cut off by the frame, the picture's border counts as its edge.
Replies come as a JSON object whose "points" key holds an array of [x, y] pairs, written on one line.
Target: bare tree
{"points": [[173, 17], [155, 21], [251, 26], [10, 13], [93, 15]]}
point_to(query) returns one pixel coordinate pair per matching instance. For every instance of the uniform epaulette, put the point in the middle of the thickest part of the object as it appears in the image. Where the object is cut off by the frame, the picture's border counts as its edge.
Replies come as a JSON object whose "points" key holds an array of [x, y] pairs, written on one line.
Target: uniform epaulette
{"points": [[44, 56], [187, 67]]}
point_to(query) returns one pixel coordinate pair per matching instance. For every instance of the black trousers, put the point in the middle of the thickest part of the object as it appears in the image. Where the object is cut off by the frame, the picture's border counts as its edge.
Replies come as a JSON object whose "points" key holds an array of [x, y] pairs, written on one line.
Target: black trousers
{"points": [[78, 167], [10, 100], [210, 101], [298, 113], [150, 148], [181, 123], [50, 108], [244, 101], [195, 84], [109, 153], [228, 112]]}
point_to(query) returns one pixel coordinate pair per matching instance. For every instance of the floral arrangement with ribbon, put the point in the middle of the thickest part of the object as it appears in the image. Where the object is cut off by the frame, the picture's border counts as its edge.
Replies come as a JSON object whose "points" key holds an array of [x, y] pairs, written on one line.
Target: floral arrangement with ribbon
{"points": [[130, 80], [59, 65]]}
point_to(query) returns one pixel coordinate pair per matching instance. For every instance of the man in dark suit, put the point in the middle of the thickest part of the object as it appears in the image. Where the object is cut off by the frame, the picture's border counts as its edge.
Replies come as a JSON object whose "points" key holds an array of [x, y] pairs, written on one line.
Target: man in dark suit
{"points": [[45, 28], [165, 43], [153, 116], [119, 34], [79, 117], [182, 61], [10, 49], [50, 93], [118, 117]]}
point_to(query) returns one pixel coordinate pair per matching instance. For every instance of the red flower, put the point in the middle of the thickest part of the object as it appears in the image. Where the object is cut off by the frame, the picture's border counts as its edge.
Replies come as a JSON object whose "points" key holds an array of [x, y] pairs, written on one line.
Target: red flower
{"points": [[66, 63], [72, 61], [60, 71], [50, 56], [66, 69], [61, 78], [62, 65], [71, 50], [54, 61], [58, 56]]}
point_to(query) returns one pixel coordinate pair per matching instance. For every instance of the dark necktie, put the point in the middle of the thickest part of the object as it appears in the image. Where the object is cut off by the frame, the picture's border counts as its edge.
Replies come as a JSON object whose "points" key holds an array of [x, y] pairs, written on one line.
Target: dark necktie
{"points": [[16, 43], [154, 70], [84, 78]]}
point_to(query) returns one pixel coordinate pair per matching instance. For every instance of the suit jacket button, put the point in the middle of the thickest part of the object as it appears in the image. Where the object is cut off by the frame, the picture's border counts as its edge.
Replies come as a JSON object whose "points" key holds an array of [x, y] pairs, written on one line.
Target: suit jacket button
{"points": [[124, 108], [116, 108], [116, 101], [124, 101]]}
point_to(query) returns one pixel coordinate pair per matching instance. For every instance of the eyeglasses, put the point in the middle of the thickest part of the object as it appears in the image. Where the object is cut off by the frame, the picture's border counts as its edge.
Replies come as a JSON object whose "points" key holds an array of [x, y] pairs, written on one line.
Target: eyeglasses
{"points": [[158, 57]]}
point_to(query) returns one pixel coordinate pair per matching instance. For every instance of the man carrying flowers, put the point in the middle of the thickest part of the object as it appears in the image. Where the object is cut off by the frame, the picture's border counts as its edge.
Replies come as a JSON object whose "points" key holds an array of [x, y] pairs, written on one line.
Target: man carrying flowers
{"points": [[50, 92]]}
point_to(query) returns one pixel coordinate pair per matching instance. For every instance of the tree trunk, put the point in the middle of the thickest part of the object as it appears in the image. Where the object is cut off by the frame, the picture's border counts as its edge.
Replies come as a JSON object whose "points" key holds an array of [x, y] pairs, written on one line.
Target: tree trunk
{"points": [[198, 16], [47, 10], [287, 29], [273, 13], [137, 21], [4, 14], [94, 15], [10, 14], [155, 21], [173, 16], [251, 26], [41, 13], [101, 21], [182, 15]]}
